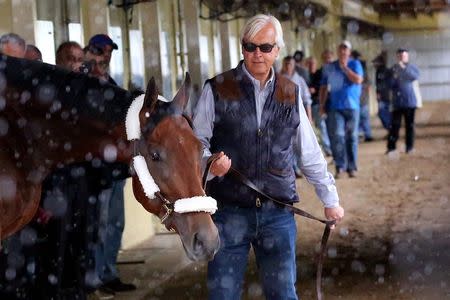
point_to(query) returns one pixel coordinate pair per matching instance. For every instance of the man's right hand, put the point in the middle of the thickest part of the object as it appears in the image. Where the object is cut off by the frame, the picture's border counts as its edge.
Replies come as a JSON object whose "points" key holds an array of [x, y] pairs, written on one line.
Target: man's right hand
{"points": [[221, 165]]}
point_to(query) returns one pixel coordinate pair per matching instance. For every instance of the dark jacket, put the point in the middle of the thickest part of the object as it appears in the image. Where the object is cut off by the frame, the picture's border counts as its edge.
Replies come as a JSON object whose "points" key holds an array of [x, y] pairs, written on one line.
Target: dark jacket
{"points": [[383, 79], [402, 86], [263, 154], [315, 83]]}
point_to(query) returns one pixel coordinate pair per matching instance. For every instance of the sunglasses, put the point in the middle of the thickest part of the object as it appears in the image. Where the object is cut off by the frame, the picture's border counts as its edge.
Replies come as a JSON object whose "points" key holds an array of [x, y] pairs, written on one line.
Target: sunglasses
{"points": [[265, 48]]}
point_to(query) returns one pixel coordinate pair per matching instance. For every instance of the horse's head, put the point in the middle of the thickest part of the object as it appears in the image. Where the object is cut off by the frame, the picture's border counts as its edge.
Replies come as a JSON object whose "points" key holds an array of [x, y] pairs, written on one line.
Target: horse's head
{"points": [[167, 164]]}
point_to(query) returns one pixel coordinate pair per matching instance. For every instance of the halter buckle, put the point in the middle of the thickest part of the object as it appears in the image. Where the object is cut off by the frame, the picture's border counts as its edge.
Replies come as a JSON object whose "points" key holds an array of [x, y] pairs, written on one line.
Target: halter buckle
{"points": [[167, 214]]}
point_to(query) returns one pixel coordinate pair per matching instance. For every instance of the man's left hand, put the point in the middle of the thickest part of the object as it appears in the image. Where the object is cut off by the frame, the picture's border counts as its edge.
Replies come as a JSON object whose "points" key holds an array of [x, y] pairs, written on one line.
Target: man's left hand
{"points": [[335, 213]]}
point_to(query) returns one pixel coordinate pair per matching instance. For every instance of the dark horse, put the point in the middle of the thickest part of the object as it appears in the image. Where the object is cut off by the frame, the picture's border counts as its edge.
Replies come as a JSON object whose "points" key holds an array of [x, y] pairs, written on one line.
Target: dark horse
{"points": [[50, 117]]}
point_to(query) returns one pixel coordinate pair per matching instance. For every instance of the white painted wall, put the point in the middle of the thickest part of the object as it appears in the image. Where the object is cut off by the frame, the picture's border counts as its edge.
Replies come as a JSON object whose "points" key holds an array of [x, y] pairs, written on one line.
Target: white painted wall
{"points": [[140, 225]]}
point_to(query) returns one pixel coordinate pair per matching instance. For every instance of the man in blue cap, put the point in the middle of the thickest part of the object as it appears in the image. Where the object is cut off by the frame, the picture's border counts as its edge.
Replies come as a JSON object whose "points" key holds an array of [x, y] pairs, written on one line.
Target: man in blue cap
{"points": [[102, 45], [105, 43], [112, 219]]}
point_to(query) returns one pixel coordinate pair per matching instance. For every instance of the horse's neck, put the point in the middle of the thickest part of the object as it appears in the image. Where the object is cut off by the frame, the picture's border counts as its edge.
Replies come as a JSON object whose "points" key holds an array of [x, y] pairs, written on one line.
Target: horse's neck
{"points": [[90, 139], [98, 140], [48, 142]]}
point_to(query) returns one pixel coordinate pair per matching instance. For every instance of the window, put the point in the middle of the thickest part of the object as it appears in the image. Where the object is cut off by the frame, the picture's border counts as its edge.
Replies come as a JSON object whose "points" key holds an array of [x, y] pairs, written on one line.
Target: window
{"points": [[45, 40], [116, 65], [137, 59], [75, 33]]}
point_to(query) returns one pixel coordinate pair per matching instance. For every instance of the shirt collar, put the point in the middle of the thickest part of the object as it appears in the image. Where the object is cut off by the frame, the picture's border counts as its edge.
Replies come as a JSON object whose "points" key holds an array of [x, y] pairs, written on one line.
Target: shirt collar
{"points": [[255, 81]]}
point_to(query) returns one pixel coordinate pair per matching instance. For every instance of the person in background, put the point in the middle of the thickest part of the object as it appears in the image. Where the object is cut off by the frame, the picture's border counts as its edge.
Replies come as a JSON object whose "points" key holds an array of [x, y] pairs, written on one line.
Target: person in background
{"points": [[404, 100], [112, 217], [344, 78], [104, 43], [33, 53], [70, 230], [365, 130], [233, 106], [299, 67], [13, 45], [288, 71], [382, 82], [314, 87], [70, 55], [98, 65]]}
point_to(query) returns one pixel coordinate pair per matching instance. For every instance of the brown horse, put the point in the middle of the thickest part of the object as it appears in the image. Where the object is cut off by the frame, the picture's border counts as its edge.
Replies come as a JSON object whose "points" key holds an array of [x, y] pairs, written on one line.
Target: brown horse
{"points": [[50, 117]]}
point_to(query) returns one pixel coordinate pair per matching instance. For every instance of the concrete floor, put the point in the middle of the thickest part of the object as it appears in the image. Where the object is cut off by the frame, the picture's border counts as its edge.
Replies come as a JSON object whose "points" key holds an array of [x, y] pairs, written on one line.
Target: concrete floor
{"points": [[151, 264]]}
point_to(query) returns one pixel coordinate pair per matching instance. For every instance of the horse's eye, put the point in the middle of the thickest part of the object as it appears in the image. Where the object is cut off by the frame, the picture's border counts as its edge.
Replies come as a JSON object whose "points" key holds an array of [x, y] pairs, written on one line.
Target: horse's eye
{"points": [[155, 156]]}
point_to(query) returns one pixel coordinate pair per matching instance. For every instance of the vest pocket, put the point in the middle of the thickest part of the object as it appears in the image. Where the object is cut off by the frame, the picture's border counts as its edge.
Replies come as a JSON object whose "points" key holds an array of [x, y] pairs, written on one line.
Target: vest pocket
{"points": [[280, 185], [281, 158], [280, 172]]}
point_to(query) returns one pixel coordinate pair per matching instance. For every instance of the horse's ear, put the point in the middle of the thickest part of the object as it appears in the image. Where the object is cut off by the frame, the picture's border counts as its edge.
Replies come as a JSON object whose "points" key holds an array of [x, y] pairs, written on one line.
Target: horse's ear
{"points": [[182, 97], [151, 94]]}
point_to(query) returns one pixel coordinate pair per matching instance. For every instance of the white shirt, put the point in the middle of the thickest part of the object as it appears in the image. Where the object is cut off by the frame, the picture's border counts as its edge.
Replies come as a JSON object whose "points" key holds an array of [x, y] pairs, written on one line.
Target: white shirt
{"points": [[302, 86]]}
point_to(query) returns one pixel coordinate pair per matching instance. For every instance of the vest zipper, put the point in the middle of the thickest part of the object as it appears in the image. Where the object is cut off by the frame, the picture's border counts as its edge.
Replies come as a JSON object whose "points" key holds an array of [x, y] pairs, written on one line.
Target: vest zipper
{"points": [[259, 163]]}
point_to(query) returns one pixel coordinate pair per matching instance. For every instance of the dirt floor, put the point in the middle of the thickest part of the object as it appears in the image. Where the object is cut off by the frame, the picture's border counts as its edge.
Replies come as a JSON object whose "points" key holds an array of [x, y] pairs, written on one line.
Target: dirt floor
{"points": [[394, 242]]}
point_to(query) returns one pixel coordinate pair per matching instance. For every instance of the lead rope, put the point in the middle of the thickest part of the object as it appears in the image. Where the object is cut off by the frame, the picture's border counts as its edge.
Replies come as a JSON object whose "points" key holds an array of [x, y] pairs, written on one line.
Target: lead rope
{"points": [[328, 223]]}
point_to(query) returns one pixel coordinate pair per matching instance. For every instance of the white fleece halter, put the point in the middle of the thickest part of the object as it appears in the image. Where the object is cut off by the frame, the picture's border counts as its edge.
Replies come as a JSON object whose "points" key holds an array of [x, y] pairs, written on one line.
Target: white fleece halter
{"points": [[133, 130]]}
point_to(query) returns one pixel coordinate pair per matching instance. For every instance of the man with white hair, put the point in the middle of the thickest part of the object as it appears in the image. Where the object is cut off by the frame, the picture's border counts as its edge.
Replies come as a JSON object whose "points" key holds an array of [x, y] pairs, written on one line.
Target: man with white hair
{"points": [[254, 119], [13, 45]]}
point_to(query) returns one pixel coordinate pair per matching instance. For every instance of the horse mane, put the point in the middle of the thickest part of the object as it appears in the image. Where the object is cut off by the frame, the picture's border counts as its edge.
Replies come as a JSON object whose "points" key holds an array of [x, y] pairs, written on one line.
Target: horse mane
{"points": [[46, 84]]}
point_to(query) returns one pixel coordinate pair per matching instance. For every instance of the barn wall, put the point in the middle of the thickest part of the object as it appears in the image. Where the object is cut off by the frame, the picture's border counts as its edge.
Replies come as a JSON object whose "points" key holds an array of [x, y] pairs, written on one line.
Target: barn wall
{"points": [[430, 50]]}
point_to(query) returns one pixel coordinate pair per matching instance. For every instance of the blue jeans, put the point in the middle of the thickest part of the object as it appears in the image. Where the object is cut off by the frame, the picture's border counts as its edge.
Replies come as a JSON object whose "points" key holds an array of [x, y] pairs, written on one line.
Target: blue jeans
{"points": [[343, 132], [320, 124], [111, 225], [364, 121], [384, 114], [271, 231]]}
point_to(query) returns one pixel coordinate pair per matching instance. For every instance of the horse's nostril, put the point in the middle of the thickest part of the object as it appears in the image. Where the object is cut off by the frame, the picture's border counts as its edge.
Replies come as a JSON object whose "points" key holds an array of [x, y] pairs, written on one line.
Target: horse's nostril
{"points": [[203, 247], [198, 243]]}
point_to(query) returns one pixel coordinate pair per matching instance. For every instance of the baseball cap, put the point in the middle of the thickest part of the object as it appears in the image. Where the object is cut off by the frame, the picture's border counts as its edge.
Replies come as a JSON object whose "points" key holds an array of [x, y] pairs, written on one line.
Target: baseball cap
{"points": [[101, 40], [346, 44], [400, 50]]}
